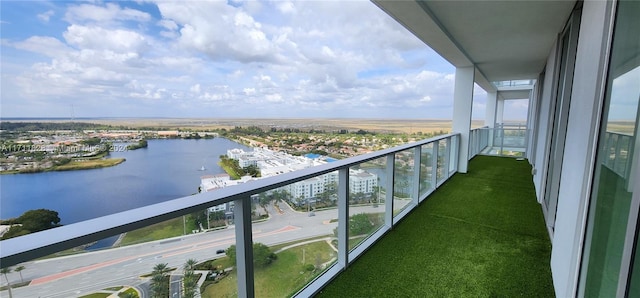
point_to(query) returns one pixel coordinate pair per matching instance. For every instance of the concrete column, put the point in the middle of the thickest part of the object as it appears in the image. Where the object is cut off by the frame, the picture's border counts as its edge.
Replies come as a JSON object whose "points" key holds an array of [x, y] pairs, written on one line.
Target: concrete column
{"points": [[343, 217], [462, 104], [490, 114], [244, 247], [500, 111]]}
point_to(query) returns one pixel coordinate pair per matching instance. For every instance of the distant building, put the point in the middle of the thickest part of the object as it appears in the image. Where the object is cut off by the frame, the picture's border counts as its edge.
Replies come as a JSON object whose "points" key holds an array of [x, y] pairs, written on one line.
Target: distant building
{"points": [[168, 134], [212, 182], [272, 163]]}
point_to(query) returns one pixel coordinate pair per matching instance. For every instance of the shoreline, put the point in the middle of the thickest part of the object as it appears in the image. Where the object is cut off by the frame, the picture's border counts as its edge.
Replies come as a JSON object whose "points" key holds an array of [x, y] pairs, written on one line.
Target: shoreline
{"points": [[117, 242], [71, 166]]}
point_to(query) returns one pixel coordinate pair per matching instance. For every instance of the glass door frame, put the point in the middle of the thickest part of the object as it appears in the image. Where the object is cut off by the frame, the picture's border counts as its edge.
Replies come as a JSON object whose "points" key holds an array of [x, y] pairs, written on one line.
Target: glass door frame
{"points": [[563, 85]]}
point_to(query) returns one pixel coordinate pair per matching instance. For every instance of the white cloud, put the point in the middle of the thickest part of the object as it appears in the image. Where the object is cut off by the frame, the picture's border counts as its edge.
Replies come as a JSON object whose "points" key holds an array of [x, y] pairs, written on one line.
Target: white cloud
{"points": [[44, 45], [220, 31], [45, 16], [318, 58], [117, 40], [249, 91], [274, 98], [109, 12], [286, 7], [168, 24]]}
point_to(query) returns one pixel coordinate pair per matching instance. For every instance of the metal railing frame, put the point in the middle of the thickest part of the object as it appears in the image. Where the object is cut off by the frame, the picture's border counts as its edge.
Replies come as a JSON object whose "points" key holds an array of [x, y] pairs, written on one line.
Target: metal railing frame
{"points": [[40, 244], [483, 137], [613, 140]]}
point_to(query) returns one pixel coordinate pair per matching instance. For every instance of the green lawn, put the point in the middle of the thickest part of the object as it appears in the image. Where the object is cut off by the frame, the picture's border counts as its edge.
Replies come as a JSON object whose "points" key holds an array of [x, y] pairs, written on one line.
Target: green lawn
{"points": [[167, 229], [481, 234], [283, 277]]}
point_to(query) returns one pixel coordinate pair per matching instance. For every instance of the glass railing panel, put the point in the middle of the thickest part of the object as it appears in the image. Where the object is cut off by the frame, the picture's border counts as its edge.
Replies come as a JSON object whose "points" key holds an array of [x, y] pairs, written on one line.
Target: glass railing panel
{"points": [[513, 142], [498, 142], [513, 83], [426, 170], [266, 212], [216, 263], [478, 141], [503, 142], [166, 259], [609, 150], [514, 138], [442, 161], [298, 240], [403, 184], [617, 148], [366, 200], [453, 154], [622, 154]]}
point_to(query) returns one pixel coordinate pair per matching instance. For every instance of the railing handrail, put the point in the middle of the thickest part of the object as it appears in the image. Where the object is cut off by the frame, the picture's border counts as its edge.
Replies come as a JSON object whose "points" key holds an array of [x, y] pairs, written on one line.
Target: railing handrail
{"points": [[619, 133], [36, 245], [612, 163]]}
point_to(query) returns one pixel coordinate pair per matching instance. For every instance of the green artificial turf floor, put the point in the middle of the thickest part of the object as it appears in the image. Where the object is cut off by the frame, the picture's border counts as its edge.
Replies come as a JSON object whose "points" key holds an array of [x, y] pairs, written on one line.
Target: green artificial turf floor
{"points": [[481, 234]]}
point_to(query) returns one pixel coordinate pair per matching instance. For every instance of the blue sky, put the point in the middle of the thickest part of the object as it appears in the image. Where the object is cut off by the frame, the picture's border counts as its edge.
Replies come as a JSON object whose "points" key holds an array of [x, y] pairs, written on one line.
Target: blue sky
{"points": [[276, 59]]}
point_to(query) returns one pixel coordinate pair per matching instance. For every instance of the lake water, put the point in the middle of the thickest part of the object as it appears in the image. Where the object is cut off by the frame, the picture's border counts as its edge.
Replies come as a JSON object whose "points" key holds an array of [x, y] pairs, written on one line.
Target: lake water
{"points": [[167, 169]]}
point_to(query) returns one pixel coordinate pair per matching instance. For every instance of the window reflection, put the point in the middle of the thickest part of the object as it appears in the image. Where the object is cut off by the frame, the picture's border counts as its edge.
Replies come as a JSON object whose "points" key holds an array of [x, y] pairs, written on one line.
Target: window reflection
{"points": [[614, 176]]}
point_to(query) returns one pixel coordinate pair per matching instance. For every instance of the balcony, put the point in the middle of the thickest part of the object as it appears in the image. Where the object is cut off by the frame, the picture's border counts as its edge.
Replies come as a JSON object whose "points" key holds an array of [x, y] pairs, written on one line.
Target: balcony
{"points": [[481, 234], [484, 226], [504, 140]]}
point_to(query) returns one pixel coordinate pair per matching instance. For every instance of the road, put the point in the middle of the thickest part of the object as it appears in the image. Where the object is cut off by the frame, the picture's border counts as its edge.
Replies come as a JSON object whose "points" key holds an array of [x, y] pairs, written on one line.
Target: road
{"points": [[85, 273], [175, 286]]}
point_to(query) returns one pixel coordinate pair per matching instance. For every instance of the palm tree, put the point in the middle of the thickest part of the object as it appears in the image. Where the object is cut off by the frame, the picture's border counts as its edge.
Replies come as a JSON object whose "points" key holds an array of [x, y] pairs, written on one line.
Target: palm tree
{"points": [[159, 280], [189, 281], [190, 264], [190, 285], [159, 287], [5, 271], [19, 270], [161, 269]]}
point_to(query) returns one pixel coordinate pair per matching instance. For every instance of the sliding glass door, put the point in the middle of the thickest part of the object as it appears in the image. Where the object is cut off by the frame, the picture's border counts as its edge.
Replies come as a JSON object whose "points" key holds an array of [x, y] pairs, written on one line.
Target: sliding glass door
{"points": [[610, 259]]}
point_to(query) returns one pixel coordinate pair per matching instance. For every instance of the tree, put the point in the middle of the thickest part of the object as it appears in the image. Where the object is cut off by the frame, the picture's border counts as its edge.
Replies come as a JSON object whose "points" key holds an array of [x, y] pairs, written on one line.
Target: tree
{"points": [[19, 270], [262, 255], [160, 281], [92, 141], [263, 199], [190, 264], [251, 170], [189, 281], [33, 221], [39, 220], [5, 271], [357, 197], [231, 253], [360, 224], [159, 287]]}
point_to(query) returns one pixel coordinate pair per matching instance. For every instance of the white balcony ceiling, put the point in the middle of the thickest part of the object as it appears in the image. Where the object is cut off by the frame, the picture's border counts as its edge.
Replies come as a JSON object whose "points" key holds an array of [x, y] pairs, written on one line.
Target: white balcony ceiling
{"points": [[506, 40]]}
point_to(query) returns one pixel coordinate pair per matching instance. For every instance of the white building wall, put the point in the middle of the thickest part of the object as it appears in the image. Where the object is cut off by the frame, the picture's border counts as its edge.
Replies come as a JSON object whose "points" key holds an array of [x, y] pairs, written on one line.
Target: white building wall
{"points": [[234, 153], [362, 183], [531, 119], [490, 112], [544, 126], [245, 162], [462, 105]]}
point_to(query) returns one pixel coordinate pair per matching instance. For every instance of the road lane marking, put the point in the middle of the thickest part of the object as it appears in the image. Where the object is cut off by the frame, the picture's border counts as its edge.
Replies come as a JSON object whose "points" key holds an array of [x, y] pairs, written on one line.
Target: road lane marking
{"points": [[158, 254]]}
